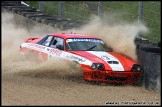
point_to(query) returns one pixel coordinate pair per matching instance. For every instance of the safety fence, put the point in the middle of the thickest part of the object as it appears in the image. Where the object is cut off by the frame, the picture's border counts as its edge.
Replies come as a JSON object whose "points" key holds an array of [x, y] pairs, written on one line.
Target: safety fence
{"points": [[147, 12]]}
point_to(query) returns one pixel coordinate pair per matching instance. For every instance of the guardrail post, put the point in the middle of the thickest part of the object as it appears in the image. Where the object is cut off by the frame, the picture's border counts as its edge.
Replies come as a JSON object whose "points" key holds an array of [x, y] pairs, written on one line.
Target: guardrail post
{"points": [[140, 11], [41, 6], [60, 13], [99, 8]]}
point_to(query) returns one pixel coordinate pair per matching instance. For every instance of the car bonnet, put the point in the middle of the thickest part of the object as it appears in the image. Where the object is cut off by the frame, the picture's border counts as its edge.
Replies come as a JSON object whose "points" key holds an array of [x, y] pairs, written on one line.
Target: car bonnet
{"points": [[111, 60]]}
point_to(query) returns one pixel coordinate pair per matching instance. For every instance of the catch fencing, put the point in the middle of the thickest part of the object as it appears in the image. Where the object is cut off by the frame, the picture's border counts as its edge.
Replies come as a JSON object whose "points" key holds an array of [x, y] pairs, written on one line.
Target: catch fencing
{"points": [[146, 11]]}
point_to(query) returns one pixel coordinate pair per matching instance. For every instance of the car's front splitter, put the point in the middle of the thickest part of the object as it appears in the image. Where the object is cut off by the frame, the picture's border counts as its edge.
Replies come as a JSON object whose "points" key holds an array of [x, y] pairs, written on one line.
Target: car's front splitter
{"points": [[112, 76]]}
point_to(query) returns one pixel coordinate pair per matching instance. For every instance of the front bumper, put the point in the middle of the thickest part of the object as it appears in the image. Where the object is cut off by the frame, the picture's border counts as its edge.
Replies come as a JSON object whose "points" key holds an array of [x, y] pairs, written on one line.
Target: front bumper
{"points": [[112, 76]]}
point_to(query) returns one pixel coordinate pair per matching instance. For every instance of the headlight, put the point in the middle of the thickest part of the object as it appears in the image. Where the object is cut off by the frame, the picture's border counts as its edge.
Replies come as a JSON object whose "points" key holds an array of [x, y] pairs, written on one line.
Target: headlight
{"points": [[97, 66], [93, 66], [136, 68]]}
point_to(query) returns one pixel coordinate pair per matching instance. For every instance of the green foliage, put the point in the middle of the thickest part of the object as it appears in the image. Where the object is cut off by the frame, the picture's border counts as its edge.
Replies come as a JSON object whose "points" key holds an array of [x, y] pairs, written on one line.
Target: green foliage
{"points": [[33, 4]]}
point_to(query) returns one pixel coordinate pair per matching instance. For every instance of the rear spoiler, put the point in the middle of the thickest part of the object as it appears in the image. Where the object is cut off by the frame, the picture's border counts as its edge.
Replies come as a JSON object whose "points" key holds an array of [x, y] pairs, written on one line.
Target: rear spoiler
{"points": [[30, 39]]}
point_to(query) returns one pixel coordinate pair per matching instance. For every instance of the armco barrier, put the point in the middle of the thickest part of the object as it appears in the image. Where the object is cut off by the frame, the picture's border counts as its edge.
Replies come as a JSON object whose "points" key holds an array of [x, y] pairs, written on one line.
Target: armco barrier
{"points": [[149, 58]]}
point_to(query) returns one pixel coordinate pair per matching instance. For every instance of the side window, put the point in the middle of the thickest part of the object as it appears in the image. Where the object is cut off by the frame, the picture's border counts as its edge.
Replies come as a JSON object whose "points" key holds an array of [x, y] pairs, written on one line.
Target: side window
{"points": [[57, 43], [47, 41], [42, 40]]}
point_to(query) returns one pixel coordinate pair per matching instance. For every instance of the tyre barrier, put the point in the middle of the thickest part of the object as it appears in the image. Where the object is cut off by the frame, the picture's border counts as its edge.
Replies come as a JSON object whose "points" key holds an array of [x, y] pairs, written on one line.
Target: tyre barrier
{"points": [[33, 14], [39, 19], [10, 3], [53, 22], [38, 16], [48, 19], [20, 9], [15, 6], [60, 22], [74, 24], [149, 57], [26, 10], [65, 25], [24, 13]]}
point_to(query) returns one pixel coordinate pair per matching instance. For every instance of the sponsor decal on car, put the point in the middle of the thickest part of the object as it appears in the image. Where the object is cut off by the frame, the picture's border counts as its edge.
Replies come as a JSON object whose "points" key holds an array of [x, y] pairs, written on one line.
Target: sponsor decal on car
{"points": [[52, 52], [76, 58], [107, 57], [37, 46], [55, 51], [84, 39]]}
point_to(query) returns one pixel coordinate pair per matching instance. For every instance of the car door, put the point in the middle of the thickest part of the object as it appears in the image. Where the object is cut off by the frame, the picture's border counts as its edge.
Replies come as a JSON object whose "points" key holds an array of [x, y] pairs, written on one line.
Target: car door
{"points": [[57, 43], [52, 42], [45, 42]]}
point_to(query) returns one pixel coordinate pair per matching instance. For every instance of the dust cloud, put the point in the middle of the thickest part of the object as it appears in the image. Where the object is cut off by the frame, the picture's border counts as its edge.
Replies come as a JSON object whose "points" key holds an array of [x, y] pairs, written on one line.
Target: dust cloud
{"points": [[56, 82], [13, 62], [118, 35]]}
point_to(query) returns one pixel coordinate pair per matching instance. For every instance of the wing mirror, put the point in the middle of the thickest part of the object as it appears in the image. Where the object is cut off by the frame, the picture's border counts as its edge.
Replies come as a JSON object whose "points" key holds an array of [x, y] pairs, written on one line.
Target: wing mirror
{"points": [[60, 47]]}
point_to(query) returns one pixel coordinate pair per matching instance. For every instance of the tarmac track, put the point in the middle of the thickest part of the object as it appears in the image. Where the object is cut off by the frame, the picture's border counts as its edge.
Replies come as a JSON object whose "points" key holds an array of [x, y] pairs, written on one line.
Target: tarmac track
{"points": [[25, 87]]}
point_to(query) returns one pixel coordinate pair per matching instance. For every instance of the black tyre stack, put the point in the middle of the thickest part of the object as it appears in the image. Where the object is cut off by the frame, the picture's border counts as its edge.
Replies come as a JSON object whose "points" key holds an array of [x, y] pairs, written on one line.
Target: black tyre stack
{"points": [[149, 56], [41, 17]]}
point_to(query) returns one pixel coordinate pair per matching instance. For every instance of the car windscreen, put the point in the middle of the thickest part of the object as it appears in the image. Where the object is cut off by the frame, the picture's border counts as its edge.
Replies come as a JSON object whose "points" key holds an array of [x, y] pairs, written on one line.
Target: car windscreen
{"points": [[86, 44]]}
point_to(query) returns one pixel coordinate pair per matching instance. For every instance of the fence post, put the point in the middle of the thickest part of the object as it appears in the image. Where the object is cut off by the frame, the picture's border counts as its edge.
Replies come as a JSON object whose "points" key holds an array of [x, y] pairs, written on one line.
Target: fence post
{"points": [[140, 14], [140, 11], [60, 13], [41, 6], [99, 8]]}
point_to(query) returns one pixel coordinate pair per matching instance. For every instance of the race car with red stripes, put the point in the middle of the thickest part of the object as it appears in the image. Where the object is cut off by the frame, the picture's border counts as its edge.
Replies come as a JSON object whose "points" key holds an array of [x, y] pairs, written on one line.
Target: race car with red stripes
{"points": [[98, 62]]}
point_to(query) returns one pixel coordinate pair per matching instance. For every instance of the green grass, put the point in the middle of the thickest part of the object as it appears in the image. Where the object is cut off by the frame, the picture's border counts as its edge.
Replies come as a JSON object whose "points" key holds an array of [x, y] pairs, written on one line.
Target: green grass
{"points": [[152, 19], [79, 10], [33, 4]]}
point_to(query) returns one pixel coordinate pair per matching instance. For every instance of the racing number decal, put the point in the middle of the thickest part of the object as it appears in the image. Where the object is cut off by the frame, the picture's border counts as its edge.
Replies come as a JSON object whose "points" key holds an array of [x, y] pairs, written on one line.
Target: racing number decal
{"points": [[55, 51]]}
